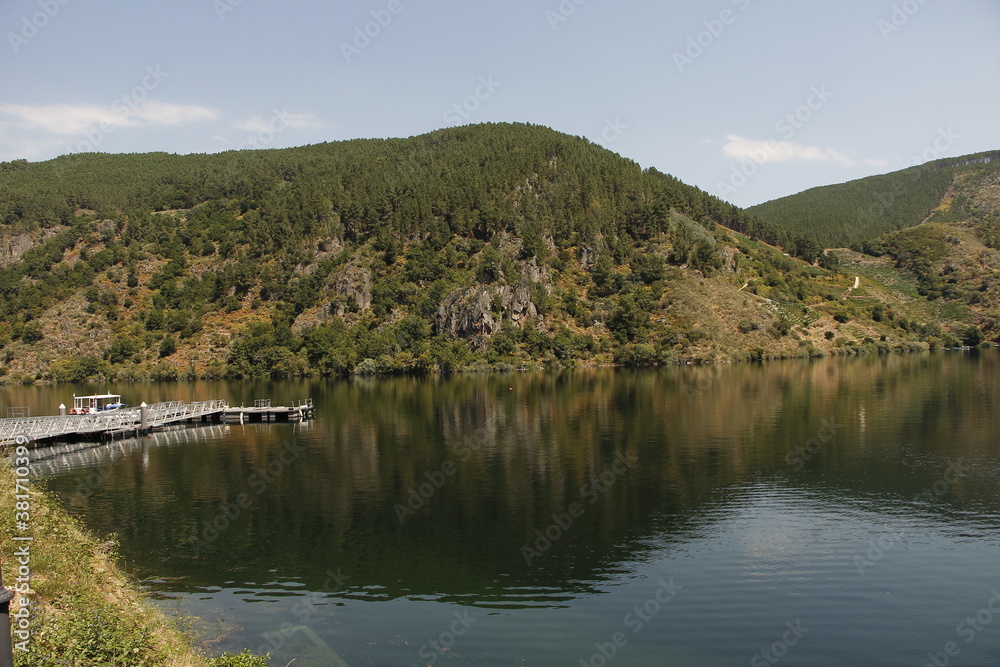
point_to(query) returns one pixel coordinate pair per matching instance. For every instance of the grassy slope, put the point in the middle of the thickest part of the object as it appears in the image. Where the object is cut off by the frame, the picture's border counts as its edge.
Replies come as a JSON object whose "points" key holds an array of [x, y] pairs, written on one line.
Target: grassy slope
{"points": [[85, 610], [942, 265]]}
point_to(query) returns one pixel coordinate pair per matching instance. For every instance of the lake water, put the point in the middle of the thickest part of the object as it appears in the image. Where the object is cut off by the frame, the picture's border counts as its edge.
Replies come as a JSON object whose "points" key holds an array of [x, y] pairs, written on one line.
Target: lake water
{"points": [[830, 512]]}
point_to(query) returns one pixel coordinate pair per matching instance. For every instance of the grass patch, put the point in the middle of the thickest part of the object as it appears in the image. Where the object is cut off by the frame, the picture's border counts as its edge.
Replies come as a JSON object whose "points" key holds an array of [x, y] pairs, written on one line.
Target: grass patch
{"points": [[84, 609]]}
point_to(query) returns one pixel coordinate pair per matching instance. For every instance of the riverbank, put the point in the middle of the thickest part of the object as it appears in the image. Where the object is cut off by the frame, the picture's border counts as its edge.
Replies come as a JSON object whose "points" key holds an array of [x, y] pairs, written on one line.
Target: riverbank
{"points": [[635, 355], [82, 608]]}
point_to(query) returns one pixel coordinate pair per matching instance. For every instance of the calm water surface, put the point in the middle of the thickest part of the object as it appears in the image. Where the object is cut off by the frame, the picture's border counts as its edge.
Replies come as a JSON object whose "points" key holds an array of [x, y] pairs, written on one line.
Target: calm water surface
{"points": [[836, 512]]}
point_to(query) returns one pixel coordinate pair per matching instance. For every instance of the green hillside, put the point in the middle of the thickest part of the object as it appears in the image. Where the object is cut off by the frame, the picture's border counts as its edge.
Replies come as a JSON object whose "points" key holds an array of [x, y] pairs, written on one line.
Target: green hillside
{"points": [[488, 246], [850, 214]]}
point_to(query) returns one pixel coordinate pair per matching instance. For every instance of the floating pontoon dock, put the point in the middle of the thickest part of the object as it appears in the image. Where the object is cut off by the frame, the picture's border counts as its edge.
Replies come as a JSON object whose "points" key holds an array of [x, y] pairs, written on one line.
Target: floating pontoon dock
{"points": [[263, 411], [145, 418], [110, 424]]}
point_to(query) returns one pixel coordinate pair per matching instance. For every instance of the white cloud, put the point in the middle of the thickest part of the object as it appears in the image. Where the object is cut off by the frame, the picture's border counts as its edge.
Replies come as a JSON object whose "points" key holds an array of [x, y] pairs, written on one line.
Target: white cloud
{"points": [[164, 113], [302, 120], [252, 124], [45, 130], [64, 119], [279, 120], [767, 151], [76, 119]]}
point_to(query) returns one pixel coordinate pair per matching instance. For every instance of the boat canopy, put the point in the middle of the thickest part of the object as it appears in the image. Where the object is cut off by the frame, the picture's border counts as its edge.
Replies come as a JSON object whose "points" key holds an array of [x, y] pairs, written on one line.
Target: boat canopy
{"points": [[96, 401]]}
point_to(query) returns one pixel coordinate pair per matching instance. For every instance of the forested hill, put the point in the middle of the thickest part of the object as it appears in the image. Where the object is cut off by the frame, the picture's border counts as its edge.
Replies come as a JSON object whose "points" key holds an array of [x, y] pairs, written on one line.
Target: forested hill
{"points": [[472, 181], [850, 214], [488, 246]]}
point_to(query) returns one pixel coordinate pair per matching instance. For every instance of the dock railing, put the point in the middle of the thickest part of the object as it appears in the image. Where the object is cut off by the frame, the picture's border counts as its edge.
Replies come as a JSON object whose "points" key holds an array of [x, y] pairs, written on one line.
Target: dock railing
{"points": [[123, 419]]}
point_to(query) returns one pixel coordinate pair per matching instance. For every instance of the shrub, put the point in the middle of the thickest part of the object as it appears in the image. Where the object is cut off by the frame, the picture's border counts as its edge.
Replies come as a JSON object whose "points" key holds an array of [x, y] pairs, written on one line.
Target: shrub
{"points": [[31, 333], [972, 336], [628, 321], [245, 659], [830, 261], [168, 346], [782, 326], [163, 372], [366, 367], [636, 355], [122, 349]]}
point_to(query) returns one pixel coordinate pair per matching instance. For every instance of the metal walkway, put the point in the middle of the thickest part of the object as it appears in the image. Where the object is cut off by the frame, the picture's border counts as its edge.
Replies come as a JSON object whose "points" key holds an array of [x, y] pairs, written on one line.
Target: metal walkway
{"points": [[263, 411], [125, 420]]}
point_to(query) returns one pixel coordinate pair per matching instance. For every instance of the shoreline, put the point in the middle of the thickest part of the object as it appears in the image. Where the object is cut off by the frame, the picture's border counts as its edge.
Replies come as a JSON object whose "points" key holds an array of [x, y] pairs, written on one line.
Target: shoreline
{"points": [[82, 607], [631, 358]]}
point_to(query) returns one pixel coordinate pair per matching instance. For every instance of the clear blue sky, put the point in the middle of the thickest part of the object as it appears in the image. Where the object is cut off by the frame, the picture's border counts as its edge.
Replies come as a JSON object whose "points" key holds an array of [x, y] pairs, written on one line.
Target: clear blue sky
{"points": [[794, 93]]}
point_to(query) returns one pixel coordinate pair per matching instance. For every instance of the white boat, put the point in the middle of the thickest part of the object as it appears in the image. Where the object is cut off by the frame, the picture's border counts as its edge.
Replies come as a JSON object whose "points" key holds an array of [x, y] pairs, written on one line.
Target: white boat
{"points": [[96, 403]]}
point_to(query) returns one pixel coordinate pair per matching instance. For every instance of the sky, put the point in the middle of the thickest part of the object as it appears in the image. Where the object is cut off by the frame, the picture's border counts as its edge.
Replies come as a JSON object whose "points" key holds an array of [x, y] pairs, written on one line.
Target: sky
{"points": [[749, 100]]}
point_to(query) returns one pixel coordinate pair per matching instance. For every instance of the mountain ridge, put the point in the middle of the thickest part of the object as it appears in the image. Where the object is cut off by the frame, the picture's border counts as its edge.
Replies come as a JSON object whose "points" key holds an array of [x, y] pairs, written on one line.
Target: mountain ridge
{"points": [[495, 246], [850, 213]]}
